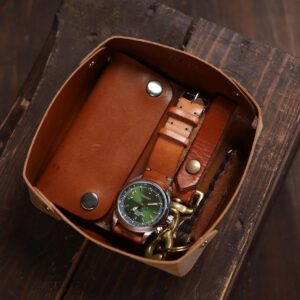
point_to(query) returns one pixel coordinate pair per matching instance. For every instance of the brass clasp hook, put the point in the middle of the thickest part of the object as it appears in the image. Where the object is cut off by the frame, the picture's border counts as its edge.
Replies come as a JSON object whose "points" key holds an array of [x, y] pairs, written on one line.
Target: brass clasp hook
{"points": [[163, 243], [164, 240]]}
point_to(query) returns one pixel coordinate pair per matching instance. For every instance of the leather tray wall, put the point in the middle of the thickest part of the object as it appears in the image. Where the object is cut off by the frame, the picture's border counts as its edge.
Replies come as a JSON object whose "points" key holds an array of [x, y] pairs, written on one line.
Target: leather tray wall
{"points": [[183, 68]]}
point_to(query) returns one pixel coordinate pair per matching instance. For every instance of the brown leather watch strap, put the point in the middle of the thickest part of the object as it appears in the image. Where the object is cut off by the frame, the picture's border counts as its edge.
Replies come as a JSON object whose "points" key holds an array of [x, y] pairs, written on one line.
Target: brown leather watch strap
{"points": [[204, 146], [173, 138], [167, 152]]}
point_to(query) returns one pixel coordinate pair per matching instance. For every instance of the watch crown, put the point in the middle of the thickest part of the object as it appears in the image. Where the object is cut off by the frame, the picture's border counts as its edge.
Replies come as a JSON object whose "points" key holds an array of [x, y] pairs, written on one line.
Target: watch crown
{"points": [[170, 219], [158, 229]]}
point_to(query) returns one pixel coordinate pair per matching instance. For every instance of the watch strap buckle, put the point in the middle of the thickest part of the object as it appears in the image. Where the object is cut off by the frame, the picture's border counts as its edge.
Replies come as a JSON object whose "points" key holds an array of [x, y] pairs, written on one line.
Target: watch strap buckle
{"points": [[192, 96]]}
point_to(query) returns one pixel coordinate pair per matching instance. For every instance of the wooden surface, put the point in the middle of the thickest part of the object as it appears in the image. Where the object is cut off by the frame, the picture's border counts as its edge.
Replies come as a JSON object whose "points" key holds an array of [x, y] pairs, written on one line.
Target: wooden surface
{"points": [[24, 29], [91, 277], [273, 22], [272, 268]]}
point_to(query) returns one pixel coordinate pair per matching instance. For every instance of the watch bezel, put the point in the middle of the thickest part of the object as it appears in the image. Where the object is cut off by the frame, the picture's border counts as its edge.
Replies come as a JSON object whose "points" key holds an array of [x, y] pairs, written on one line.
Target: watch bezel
{"points": [[140, 229]]}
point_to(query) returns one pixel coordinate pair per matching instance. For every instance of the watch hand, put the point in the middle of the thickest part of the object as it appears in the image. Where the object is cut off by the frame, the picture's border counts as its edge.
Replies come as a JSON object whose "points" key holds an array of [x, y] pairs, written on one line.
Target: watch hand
{"points": [[147, 215], [135, 208], [148, 204], [137, 196]]}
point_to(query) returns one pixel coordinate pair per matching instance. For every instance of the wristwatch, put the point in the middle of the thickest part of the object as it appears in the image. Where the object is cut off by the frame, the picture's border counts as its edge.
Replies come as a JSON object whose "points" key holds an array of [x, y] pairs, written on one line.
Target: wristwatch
{"points": [[143, 205]]}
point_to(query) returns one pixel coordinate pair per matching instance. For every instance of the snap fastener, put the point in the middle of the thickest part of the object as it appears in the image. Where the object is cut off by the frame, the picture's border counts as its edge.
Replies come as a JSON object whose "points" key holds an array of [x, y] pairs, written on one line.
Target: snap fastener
{"points": [[89, 201], [193, 166], [154, 88], [92, 63], [47, 208], [204, 243]]}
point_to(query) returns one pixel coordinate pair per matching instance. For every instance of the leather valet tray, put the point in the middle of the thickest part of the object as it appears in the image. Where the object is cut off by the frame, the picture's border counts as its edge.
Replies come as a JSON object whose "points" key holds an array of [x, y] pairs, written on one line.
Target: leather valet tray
{"points": [[98, 131]]}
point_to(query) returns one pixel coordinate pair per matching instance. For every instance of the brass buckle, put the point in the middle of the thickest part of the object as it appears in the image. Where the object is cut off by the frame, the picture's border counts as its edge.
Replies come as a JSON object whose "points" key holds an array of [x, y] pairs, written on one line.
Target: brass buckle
{"points": [[192, 96], [163, 243]]}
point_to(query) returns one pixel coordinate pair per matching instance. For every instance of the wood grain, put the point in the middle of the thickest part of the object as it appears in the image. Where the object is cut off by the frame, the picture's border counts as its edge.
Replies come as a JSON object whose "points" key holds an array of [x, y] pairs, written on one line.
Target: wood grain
{"points": [[272, 268], [273, 22], [24, 29]]}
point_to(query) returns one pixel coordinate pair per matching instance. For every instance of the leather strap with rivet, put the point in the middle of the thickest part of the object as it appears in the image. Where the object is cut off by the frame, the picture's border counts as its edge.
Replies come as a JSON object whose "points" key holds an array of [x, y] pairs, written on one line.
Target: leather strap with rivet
{"points": [[203, 148], [173, 139]]}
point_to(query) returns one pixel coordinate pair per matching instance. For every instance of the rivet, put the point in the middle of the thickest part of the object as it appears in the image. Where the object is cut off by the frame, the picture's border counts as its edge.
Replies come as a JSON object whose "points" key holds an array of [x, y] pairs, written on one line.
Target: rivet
{"points": [[236, 93], [89, 201], [204, 243], [193, 166], [47, 208], [158, 229], [170, 219], [92, 63], [154, 88]]}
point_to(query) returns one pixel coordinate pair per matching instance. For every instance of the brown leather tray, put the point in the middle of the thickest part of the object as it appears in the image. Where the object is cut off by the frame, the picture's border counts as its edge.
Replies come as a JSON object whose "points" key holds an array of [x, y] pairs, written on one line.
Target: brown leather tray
{"points": [[55, 138]]}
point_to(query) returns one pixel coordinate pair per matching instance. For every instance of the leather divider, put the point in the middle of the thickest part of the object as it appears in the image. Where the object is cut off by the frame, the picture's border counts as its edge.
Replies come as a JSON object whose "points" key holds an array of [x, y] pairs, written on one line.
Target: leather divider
{"points": [[106, 138], [209, 137]]}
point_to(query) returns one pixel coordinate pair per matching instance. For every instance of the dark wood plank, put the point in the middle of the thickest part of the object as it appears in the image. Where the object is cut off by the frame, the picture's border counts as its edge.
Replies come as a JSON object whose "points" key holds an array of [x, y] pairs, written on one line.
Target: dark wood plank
{"points": [[274, 22], [275, 249], [24, 28], [273, 77], [36, 252]]}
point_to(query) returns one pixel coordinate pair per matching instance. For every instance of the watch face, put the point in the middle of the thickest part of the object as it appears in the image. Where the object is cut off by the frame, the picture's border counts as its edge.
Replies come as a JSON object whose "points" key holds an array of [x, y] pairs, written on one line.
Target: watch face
{"points": [[142, 204]]}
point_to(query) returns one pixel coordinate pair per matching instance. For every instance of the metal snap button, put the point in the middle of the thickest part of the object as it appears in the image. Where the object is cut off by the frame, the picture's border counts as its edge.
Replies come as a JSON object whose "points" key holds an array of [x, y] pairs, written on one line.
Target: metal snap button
{"points": [[154, 88], [193, 166], [89, 201]]}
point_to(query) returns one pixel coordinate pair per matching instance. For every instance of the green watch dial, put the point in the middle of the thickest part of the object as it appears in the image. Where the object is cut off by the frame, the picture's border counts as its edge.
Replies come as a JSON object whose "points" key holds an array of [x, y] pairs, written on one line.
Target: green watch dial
{"points": [[142, 204]]}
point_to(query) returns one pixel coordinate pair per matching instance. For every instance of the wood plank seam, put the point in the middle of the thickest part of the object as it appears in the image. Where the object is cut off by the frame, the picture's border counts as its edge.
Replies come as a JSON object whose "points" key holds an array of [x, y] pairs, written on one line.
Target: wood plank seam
{"points": [[76, 260], [27, 90], [189, 34], [246, 243]]}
